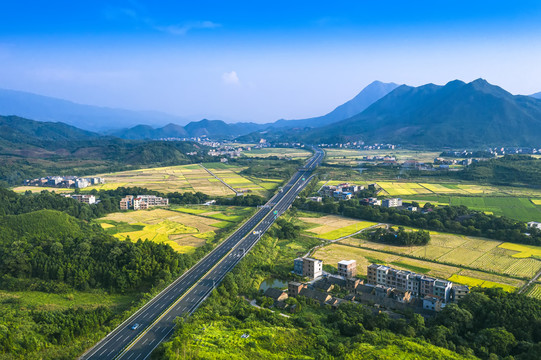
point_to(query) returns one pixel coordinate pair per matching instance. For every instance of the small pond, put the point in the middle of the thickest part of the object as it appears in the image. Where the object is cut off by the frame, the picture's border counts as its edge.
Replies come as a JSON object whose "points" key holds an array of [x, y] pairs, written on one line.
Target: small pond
{"points": [[273, 283]]}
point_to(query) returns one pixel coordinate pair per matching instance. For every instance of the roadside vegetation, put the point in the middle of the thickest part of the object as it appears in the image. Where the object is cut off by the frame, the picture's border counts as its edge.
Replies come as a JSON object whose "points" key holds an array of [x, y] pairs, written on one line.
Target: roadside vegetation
{"points": [[487, 323]]}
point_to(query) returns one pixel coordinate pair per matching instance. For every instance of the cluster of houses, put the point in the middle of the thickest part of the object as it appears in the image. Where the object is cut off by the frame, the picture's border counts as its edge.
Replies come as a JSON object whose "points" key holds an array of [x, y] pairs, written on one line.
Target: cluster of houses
{"points": [[343, 191], [142, 202], [359, 145], [83, 198], [443, 161], [385, 286], [65, 181], [388, 203]]}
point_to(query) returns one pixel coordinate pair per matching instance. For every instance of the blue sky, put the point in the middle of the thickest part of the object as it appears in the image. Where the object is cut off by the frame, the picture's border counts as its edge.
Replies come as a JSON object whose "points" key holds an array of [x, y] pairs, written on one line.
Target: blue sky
{"points": [[260, 61]]}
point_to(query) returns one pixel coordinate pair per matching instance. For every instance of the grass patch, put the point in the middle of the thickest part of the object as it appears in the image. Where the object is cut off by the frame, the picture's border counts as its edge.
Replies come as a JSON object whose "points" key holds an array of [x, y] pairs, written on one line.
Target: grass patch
{"points": [[417, 269]]}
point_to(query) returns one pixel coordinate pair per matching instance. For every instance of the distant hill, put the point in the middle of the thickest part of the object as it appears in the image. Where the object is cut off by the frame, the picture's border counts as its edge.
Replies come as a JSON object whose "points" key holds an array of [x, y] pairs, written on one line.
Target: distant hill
{"points": [[220, 129], [94, 118], [536, 95], [210, 128], [369, 95], [31, 148], [454, 115]]}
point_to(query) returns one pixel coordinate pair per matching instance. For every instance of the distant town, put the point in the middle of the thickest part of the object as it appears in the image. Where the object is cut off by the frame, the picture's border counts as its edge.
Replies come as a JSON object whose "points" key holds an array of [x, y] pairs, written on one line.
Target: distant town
{"points": [[65, 182]]}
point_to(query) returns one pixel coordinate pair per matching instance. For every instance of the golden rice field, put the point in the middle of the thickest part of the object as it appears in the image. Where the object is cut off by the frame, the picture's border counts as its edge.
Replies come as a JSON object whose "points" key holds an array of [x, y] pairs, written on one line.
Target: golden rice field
{"points": [[186, 178], [184, 232], [332, 227], [536, 201], [484, 254], [335, 252], [37, 189]]}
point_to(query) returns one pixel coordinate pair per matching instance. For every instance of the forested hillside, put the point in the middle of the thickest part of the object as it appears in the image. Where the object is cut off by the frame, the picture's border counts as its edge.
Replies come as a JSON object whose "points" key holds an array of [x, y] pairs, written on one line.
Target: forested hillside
{"points": [[32, 149], [88, 278], [511, 169]]}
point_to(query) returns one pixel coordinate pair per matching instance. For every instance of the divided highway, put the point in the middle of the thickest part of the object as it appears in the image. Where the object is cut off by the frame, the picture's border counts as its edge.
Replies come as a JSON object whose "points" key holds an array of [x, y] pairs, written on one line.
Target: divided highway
{"points": [[185, 294]]}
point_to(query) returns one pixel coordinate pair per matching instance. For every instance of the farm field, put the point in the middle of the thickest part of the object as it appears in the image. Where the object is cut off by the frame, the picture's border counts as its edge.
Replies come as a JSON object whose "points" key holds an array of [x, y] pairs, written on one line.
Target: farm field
{"points": [[292, 153], [332, 227], [187, 178], [37, 189], [353, 156], [534, 291], [519, 208], [182, 231], [484, 254], [333, 253]]}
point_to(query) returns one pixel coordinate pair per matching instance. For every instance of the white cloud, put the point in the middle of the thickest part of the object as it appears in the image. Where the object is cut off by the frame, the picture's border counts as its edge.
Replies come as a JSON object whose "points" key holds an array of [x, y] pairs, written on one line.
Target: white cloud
{"points": [[184, 28], [231, 78]]}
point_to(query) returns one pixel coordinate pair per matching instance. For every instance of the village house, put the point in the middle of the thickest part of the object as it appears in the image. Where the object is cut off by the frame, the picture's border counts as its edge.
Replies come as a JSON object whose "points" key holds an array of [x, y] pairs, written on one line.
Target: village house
{"points": [[347, 268], [142, 202]]}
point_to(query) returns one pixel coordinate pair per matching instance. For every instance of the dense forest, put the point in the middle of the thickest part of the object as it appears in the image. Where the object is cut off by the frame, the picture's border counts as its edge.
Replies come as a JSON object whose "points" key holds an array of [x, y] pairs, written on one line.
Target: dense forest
{"points": [[44, 251], [488, 323], [508, 170], [452, 219], [400, 236]]}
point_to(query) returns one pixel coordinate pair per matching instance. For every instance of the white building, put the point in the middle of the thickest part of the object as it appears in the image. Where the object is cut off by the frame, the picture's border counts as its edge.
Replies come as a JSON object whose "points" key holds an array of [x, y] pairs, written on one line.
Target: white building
{"points": [[87, 199], [534, 224], [395, 202]]}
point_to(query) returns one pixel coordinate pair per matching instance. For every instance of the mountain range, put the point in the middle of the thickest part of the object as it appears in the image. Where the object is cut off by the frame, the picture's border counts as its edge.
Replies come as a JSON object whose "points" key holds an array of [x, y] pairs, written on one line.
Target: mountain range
{"points": [[455, 115], [88, 117], [536, 95], [149, 125]]}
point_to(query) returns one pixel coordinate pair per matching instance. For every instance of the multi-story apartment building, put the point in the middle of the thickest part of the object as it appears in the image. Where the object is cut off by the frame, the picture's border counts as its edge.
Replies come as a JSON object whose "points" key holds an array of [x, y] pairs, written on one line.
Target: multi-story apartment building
{"points": [[126, 202], [418, 285], [396, 202], [442, 288], [298, 266], [459, 291], [87, 199], [347, 268], [142, 202], [312, 268], [426, 286]]}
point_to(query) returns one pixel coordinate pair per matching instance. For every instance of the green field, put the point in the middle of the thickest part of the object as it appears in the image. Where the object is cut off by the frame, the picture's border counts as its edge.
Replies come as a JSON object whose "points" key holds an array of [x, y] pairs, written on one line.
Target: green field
{"points": [[279, 152], [332, 227], [519, 208], [534, 291], [353, 156]]}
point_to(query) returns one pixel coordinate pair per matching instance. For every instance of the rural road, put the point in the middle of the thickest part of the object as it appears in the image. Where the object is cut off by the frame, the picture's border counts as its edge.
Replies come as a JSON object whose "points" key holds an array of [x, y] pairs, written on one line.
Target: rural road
{"points": [[185, 294]]}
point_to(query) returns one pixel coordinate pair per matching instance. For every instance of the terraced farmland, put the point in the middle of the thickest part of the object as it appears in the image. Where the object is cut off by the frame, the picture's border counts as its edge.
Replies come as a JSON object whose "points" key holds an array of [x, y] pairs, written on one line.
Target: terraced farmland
{"points": [[184, 232], [479, 253], [333, 253], [534, 291], [188, 178]]}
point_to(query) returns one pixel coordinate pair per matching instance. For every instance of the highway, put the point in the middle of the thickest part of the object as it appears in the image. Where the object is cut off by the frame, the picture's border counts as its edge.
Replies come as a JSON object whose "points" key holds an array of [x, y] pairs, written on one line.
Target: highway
{"points": [[186, 293]]}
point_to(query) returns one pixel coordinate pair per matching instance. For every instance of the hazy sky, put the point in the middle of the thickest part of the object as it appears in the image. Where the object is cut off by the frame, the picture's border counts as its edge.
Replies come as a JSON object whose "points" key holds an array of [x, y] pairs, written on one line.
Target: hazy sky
{"points": [[260, 60]]}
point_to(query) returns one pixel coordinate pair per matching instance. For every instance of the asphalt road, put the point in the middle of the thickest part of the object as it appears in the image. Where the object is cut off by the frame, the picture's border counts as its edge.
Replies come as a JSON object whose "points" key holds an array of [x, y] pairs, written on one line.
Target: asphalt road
{"points": [[184, 295]]}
